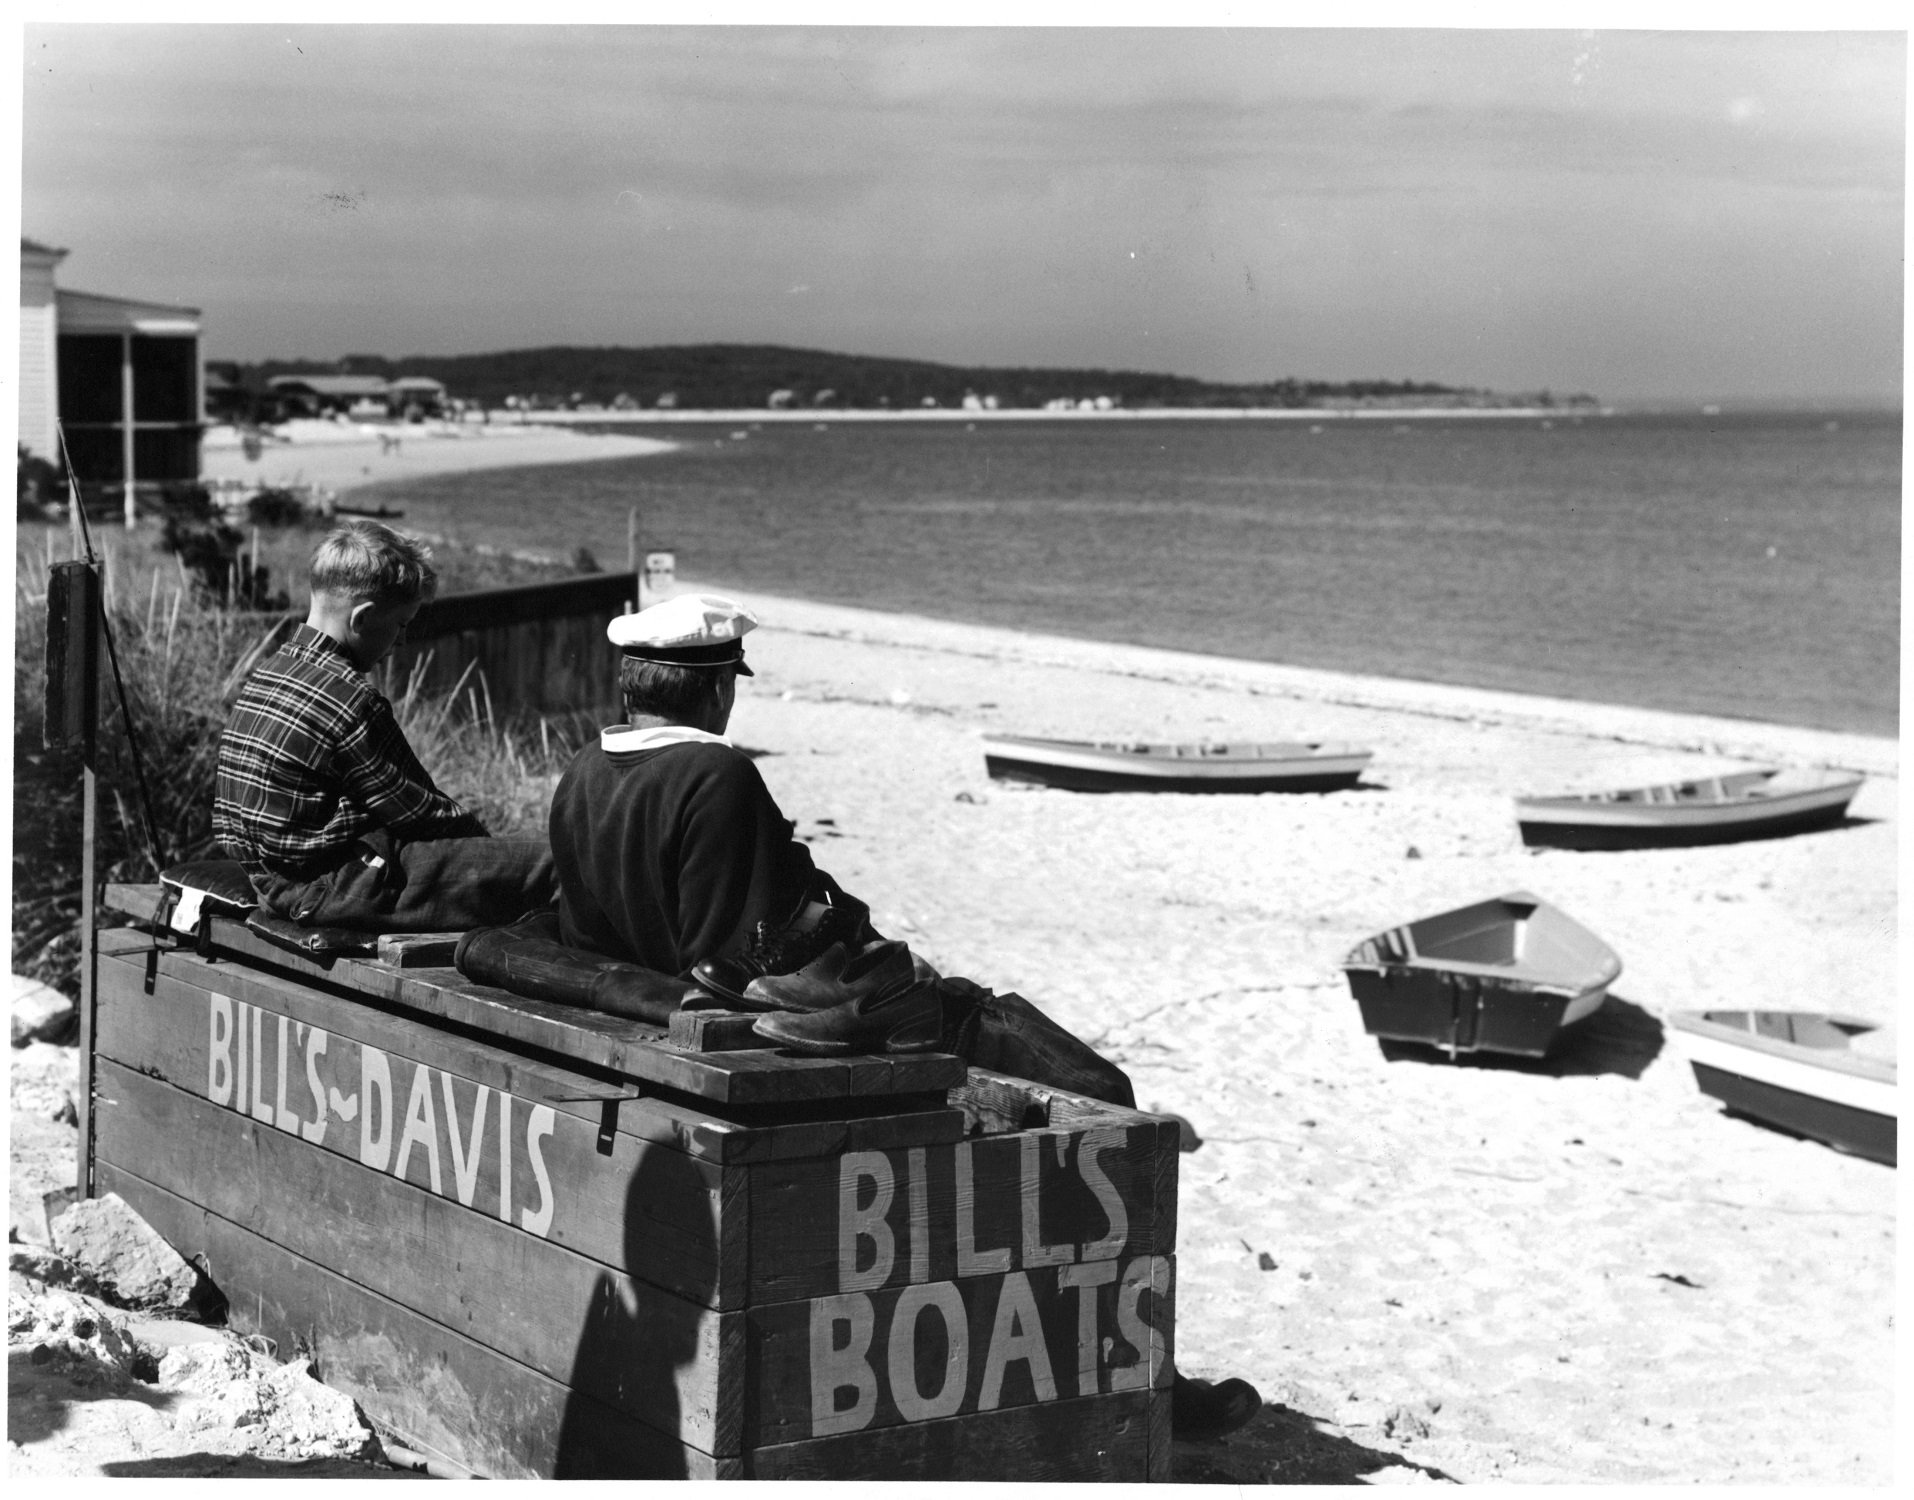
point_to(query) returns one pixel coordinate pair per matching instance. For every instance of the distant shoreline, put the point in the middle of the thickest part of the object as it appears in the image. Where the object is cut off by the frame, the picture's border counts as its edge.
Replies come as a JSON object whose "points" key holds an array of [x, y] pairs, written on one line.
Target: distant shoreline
{"points": [[1031, 414]]}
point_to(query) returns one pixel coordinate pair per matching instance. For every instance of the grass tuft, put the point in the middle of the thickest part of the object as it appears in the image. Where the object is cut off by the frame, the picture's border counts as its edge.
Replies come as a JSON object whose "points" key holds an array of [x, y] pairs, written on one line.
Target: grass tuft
{"points": [[183, 658]]}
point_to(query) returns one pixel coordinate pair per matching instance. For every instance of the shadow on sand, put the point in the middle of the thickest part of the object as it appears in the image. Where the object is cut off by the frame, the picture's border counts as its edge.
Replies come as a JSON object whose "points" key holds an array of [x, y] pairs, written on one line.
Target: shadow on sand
{"points": [[1284, 1446], [249, 1466], [1620, 1038]]}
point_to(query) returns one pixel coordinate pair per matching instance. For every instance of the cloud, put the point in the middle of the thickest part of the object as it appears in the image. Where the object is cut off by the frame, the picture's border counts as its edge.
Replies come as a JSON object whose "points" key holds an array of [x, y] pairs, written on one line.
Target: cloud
{"points": [[1294, 199]]}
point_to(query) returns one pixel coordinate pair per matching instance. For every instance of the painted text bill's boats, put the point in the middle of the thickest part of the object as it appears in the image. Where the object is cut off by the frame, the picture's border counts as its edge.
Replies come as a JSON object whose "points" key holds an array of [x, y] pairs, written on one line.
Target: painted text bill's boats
{"points": [[1135, 766], [1830, 1077], [1505, 975], [1709, 810]]}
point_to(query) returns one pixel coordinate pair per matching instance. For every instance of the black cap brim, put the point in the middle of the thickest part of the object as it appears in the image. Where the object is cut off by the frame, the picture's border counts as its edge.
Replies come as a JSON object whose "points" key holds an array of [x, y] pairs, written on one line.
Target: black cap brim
{"points": [[724, 654]]}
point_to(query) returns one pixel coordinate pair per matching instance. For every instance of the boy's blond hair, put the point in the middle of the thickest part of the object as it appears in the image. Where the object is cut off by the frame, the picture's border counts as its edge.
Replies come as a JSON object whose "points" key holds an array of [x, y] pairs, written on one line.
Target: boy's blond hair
{"points": [[364, 560]]}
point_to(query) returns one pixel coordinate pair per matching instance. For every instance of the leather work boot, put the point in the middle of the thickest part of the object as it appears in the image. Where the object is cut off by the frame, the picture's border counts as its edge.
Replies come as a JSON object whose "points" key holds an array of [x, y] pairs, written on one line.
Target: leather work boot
{"points": [[826, 981], [904, 1018], [772, 950]]}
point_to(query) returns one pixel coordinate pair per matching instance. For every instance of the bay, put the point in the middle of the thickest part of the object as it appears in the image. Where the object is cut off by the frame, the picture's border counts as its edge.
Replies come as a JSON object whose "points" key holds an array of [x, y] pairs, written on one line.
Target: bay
{"points": [[1744, 565]]}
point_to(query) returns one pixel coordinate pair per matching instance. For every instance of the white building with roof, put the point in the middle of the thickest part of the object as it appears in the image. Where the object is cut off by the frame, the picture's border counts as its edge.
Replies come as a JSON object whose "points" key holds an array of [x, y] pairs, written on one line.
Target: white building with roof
{"points": [[120, 376]]}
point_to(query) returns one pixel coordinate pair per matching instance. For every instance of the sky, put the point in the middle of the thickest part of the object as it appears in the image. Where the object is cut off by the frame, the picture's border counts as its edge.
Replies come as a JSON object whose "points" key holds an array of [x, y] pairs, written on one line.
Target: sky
{"points": [[1701, 214]]}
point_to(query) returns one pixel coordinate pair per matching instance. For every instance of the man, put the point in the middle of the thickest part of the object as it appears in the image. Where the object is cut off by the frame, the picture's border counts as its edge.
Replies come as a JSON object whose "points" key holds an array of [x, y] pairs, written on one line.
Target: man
{"points": [[669, 848], [319, 796], [672, 853]]}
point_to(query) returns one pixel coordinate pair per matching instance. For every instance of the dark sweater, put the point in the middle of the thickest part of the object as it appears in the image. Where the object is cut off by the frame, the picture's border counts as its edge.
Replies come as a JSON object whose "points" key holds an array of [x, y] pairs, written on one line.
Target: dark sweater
{"points": [[669, 856]]}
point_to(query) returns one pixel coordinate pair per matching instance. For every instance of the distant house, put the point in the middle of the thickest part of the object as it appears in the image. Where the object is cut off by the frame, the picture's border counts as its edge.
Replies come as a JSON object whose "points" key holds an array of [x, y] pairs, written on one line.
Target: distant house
{"points": [[415, 394], [227, 400], [121, 377], [321, 395]]}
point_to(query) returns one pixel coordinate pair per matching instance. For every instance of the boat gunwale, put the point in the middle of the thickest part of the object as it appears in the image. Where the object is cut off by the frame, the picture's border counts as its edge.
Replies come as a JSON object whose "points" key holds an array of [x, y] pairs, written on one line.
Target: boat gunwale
{"points": [[1512, 977], [1831, 1059], [1147, 759], [1601, 977], [1609, 809]]}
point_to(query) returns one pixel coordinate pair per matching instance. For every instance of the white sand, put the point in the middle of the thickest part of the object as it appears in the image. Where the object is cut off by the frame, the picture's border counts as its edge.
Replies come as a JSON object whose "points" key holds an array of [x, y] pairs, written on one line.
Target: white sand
{"points": [[345, 457], [1484, 1251]]}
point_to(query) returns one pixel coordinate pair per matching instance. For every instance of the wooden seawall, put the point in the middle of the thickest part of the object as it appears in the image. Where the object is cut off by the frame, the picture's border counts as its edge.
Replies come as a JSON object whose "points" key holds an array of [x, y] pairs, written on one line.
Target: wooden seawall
{"points": [[537, 649]]}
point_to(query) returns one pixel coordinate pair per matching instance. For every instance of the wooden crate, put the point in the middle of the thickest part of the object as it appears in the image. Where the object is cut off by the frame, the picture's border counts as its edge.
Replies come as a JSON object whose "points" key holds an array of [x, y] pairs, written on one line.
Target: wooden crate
{"points": [[540, 1242]]}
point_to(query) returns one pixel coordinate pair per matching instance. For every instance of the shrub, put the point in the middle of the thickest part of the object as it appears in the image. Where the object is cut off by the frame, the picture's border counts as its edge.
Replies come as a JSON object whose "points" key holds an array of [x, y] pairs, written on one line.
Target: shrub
{"points": [[280, 508]]}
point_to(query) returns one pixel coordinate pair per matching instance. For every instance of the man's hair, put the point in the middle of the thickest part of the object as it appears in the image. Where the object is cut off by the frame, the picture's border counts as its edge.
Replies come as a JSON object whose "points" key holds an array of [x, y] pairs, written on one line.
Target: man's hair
{"points": [[364, 560], [667, 691]]}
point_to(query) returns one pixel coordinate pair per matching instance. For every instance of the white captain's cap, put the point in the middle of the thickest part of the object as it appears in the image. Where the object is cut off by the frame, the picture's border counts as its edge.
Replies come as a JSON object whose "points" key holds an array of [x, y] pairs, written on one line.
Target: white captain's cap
{"points": [[691, 630]]}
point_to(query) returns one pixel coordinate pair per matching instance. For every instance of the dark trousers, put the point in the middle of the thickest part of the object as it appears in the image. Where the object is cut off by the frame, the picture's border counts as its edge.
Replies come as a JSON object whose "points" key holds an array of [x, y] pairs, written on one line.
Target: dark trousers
{"points": [[1007, 1034], [422, 885]]}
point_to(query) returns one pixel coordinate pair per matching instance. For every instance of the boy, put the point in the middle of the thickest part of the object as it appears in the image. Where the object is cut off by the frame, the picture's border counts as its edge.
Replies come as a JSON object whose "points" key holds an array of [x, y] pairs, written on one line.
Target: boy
{"points": [[320, 797]]}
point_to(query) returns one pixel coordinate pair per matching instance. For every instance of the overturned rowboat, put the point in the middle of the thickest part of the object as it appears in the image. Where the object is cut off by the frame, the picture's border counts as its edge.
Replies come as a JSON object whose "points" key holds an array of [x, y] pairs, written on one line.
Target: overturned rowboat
{"points": [[1138, 766], [1823, 1076], [1505, 975], [1708, 810]]}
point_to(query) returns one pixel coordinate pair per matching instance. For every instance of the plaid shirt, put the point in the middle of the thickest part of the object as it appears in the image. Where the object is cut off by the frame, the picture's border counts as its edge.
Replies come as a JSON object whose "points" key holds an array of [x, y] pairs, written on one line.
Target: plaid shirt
{"points": [[312, 758]]}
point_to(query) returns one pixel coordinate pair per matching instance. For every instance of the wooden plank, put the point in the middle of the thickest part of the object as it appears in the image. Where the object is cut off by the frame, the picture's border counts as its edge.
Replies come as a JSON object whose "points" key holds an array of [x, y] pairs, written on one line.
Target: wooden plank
{"points": [[688, 1128], [436, 1388], [1005, 1103], [509, 1145], [1008, 1202], [862, 1361], [418, 950], [748, 1077], [1161, 1435], [532, 1300], [595, 597], [1104, 1438], [713, 1030]]}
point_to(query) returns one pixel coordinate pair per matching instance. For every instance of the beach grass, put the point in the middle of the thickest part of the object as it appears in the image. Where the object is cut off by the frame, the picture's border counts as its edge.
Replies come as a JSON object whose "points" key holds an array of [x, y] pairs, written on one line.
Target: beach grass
{"points": [[182, 657]]}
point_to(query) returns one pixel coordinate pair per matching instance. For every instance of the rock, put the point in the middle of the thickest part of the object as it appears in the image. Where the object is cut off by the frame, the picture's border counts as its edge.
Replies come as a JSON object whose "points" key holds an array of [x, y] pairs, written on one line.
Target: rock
{"points": [[42, 1079], [1404, 1425], [91, 1343], [241, 1397], [125, 1256], [311, 1420], [31, 1270], [40, 1012]]}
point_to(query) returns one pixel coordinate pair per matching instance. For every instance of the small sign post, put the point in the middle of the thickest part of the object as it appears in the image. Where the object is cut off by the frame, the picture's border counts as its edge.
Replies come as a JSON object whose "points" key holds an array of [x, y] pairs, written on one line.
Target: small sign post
{"points": [[661, 571]]}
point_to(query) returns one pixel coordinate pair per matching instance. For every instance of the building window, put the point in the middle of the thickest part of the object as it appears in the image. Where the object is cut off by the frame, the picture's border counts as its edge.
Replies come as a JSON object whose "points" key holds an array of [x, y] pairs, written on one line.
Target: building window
{"points": [[165, 384], [89, 378]]}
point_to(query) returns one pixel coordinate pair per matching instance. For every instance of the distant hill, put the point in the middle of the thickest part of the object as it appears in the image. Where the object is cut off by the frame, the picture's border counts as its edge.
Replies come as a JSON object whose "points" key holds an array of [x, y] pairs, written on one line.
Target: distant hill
{"points": [[731, 376]]}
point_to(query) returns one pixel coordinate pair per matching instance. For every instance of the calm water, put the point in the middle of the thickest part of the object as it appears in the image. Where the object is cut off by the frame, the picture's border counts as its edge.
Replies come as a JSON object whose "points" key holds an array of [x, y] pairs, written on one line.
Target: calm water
{"points": [[1741, 565]]}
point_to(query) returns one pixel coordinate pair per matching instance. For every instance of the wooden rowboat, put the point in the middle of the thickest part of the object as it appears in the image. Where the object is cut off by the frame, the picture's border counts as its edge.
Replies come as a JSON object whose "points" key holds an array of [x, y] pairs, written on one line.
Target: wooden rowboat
{"points": [[1709, 810], [1135, 766], [1807, 1072], [1505, 975]]}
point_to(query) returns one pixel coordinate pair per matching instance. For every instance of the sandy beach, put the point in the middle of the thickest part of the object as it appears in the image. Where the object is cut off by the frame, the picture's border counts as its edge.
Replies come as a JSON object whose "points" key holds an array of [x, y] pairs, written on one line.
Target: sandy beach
{"points": [[342, 457], [1570, 1271], [1577, 1270]]}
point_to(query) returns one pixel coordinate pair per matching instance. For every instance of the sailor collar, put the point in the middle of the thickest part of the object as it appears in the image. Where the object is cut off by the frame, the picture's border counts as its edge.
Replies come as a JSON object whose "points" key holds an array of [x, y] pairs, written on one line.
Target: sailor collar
{"points": [[627, 739]]}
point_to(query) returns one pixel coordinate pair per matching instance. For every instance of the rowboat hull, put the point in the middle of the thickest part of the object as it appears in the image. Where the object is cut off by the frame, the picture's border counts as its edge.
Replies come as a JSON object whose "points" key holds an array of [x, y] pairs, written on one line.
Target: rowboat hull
{"points": [[1817, 1087], [1718, 810], [1084, 766], [1507, 975]]}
